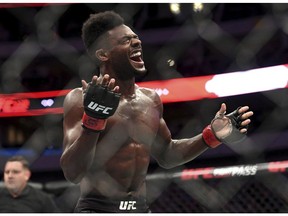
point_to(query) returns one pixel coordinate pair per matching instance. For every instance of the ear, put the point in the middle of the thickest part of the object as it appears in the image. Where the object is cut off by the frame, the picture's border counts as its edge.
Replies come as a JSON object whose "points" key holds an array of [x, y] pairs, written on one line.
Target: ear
{"points": [[101, 55], [27, 174]]}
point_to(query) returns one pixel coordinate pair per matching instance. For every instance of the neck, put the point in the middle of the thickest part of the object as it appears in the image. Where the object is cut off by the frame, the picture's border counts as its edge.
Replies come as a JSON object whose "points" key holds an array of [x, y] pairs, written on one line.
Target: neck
{"points": [[127, 87], [16, 192]]}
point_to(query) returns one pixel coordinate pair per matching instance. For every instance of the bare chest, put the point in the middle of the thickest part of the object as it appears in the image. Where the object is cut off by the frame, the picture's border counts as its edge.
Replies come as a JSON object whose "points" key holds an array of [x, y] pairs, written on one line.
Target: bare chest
{"points": [[136, 119], [140, 116]]}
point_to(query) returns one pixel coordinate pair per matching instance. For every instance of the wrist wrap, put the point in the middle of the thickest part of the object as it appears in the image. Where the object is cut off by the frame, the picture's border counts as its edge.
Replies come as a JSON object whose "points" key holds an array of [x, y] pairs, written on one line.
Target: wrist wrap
{"points": [[209, 137], [93, 124]]}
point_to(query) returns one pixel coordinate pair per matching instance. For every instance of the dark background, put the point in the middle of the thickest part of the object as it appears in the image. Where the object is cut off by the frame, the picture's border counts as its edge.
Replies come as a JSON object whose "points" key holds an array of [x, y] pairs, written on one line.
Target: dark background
{"points": [[41, 50]]}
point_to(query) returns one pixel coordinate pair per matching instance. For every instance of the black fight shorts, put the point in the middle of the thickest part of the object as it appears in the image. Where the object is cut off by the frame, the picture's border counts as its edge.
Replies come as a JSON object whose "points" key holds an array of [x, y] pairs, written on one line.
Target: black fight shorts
{"points": [[103, 205]]}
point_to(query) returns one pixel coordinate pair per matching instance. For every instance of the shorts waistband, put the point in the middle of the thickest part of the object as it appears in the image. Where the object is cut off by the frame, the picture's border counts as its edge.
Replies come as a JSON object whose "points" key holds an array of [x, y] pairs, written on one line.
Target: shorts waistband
{"points": [[129, 204]]}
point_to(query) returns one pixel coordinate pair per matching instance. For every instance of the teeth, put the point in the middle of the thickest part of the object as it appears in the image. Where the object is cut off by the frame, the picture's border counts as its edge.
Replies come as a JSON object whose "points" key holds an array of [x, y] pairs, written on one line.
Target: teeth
{"points": [[137, 54]]}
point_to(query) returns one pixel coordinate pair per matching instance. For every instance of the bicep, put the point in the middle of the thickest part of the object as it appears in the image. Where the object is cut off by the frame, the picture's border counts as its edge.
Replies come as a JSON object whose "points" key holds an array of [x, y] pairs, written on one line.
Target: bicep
{"points": [[70, 133], [162, 141], [73, 113]]}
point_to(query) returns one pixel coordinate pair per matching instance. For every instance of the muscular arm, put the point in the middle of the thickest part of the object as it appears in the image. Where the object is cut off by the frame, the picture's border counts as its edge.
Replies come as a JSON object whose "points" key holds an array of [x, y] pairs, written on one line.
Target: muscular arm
{"points": [[79, 144], [170, 152]]}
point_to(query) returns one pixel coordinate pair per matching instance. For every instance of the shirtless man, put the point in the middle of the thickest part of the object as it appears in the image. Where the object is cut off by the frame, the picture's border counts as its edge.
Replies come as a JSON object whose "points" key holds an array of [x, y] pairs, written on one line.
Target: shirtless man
{"points": [[112, 126]]}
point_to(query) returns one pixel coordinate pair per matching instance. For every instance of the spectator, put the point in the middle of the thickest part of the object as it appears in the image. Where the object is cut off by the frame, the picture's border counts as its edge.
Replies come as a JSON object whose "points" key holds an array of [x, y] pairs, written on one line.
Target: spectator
{"points": [[18, 196]]}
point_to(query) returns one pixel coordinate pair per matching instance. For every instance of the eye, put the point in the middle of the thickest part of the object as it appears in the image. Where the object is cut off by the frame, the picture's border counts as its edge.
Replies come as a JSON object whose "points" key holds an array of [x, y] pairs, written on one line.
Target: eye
{"points": [[126, 40]]}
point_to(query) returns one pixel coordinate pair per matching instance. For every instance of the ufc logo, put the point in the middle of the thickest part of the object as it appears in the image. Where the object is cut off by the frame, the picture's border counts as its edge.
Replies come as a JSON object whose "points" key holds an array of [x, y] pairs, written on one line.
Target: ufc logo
{"points": [[127, 205], [98, 108]]}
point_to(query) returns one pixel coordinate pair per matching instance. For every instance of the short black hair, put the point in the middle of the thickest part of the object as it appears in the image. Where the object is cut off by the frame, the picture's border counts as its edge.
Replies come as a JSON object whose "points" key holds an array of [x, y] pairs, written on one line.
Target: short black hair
{"points": [[96, 25]]}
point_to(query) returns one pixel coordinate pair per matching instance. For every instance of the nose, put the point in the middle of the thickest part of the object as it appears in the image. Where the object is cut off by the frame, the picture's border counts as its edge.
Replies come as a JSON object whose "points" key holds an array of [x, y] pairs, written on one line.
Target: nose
{"points": [[135, 42]]}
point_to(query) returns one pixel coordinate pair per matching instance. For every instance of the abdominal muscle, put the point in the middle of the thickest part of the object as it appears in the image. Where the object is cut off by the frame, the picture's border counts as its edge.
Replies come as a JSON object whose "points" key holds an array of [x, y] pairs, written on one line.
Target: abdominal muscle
{"points": [[121, 176]]}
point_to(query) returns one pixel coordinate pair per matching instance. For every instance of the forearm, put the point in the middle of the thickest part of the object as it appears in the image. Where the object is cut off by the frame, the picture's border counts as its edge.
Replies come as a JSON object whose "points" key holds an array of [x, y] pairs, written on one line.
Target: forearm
{"points": [[78, 156], [182, 151]]}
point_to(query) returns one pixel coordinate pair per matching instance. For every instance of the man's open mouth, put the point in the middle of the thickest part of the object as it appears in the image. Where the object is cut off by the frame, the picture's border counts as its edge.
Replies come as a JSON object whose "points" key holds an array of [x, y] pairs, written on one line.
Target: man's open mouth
{"points": [[136, 59]]}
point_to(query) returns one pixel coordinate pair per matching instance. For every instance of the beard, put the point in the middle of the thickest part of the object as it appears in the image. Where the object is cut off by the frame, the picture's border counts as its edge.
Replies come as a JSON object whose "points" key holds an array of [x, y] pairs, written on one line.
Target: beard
{"points": [[125, 69]]}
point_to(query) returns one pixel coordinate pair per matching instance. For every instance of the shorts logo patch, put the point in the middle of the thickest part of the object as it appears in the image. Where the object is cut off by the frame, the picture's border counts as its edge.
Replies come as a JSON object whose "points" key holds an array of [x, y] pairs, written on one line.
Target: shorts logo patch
{"points": [[127, 205]]}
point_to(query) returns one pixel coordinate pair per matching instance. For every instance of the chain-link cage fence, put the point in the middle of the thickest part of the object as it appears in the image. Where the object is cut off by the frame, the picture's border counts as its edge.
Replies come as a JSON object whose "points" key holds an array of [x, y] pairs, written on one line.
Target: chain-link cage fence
{"points": [[237, 195], [253, 188], [42, 57]]}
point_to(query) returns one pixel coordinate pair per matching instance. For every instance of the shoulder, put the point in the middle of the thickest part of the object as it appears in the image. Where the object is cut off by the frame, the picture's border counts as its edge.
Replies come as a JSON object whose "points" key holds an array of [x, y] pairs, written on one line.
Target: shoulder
{"points": [[74, 95], [151, 93], [3, 190], [73, 99], [46, 199], [39, 194], [34, 190], [153, 96]]}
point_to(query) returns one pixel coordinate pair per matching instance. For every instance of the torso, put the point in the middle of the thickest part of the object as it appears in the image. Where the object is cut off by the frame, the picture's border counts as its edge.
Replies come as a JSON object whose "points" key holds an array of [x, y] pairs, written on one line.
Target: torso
{"points": [[123, 152]]}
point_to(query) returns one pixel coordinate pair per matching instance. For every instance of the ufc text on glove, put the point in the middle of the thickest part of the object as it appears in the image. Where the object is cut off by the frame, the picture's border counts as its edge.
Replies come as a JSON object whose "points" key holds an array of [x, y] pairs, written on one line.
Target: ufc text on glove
{"points": [[99, 104]]}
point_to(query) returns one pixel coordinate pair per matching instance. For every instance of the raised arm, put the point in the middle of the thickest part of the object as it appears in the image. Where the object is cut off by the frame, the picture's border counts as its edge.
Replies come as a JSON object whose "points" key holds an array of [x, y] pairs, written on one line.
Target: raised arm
{"points": [[170, 152], [79, 144], [85, 116], [231, 128]]}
